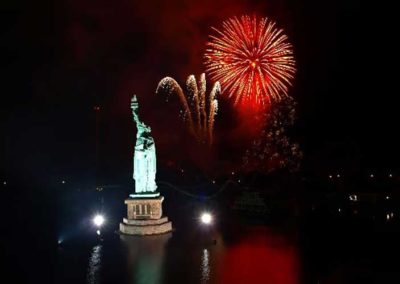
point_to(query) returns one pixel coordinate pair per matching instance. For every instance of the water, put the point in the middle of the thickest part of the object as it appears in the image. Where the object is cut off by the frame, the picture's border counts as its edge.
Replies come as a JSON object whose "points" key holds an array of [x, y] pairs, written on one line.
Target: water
{"points": [[44, 241], [258, 255], [330, 253]]}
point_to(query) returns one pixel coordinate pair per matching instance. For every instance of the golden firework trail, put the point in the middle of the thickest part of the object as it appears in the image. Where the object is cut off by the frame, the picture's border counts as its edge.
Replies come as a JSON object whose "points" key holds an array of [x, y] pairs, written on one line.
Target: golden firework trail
{"points": [[197, 111]]}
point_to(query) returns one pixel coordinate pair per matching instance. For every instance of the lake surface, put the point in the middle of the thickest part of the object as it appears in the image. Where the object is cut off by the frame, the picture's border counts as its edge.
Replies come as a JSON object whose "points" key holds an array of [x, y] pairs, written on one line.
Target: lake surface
{"points": [[54, 242], [259, 255]]}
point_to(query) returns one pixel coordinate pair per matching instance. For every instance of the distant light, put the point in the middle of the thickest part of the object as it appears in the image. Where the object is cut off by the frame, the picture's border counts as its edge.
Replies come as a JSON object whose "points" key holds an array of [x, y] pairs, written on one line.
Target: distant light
{"points": [[353, 197], [182, 171], [238, 180], [339, 209], [387, 216], [98, 220], [206, 218], [390, 175], [371, 175], [338, 176], [391, 215], [59, 241], [233, 173], [4, 182], [63, 182], [330, 176], [213, 181], [387, 197], [98, 232]]}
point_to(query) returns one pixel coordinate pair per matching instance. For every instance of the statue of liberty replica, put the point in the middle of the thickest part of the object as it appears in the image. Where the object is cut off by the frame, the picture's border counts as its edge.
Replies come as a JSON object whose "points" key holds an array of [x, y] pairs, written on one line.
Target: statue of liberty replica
{"points": [[144, 161], [145, 205]]}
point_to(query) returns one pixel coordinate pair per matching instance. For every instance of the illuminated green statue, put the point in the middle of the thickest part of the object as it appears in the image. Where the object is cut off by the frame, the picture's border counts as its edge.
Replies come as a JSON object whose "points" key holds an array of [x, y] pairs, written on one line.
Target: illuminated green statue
{"points": [[144, 161]]}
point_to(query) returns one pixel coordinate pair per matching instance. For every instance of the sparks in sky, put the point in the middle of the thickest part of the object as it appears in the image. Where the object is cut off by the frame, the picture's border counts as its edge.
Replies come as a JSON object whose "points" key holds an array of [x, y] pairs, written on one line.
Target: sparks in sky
{"points": [[198, 111], [252, 59]]}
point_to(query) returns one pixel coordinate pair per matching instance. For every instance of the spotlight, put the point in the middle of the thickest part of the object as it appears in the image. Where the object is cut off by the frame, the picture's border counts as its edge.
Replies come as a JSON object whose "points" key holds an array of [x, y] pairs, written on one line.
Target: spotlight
{"points": [[98, 232], [206, 218], [98, 220]]}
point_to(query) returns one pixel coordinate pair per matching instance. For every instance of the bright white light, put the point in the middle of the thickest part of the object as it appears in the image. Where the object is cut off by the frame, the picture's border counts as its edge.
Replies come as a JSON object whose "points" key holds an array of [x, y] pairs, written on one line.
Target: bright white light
{"points": [[98, 232], [206, 218], [387, 197], [338, 176], [63, 182], [4, 182], [353, 197], [371, 175], [98, 220]]}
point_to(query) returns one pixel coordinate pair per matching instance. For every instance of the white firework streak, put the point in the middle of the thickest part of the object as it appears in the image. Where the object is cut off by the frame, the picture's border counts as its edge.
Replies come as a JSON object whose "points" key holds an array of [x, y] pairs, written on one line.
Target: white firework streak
{"points": [[213, 110]]}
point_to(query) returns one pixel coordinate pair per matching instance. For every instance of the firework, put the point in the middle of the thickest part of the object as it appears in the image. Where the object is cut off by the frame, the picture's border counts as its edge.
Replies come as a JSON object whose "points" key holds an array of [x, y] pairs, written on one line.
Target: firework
{"points": [[198, 112], [252, 59], [273, 149]]}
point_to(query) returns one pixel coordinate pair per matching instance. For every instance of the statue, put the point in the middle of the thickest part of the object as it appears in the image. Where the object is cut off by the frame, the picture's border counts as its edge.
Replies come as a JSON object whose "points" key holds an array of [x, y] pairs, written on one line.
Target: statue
{"points": [[144, 207], [144, 161]]}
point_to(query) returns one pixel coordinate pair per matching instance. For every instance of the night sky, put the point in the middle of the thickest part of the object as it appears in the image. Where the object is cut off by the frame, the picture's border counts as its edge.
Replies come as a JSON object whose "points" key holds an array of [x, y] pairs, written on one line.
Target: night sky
{"points": [[62, 59]]}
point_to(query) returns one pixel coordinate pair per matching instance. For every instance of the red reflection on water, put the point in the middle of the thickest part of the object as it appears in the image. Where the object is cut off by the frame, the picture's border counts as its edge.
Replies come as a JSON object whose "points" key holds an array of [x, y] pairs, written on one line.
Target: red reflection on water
{"points": [[260, 257]]}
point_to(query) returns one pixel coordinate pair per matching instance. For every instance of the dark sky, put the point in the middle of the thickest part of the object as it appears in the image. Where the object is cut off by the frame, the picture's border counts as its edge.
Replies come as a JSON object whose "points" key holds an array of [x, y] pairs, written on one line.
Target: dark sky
{"points": [[61, 58]]}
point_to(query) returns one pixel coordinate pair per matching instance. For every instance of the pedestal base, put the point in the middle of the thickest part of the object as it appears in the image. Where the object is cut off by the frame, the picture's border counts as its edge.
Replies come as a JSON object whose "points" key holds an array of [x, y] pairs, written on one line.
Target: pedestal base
{"points": [[145, 217], [145, 227]]}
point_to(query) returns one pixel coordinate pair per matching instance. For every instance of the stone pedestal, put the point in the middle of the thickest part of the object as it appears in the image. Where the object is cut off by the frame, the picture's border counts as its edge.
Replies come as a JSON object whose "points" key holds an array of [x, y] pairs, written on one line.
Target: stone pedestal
{"points": [[145, 217]]}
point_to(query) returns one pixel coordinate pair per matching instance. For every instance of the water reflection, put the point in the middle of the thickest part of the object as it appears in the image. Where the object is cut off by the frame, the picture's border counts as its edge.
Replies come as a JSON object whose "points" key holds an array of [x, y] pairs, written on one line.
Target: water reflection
{"points": [[94, 265], [254, 255], [261, 256], [145, 259], [205, 266]]}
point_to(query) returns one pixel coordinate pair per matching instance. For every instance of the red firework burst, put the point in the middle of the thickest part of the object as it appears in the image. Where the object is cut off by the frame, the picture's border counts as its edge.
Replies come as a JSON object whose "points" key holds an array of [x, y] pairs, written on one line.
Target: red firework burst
{"points": [[252, 60]]}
